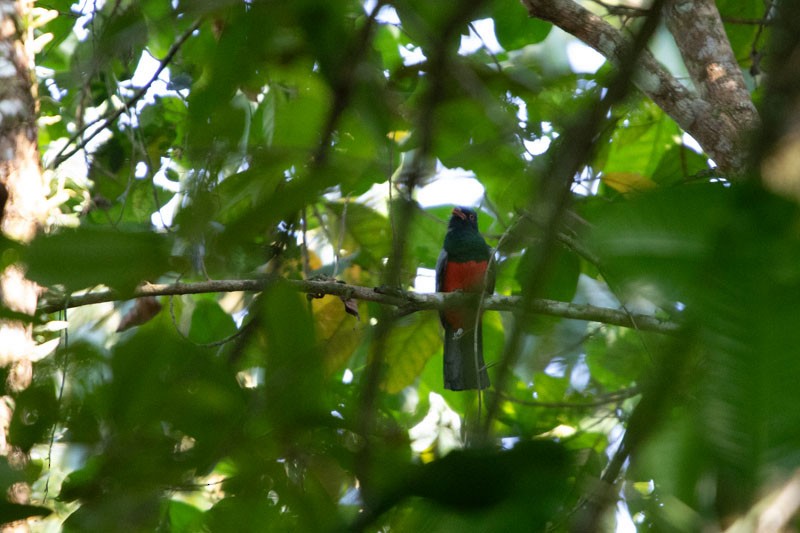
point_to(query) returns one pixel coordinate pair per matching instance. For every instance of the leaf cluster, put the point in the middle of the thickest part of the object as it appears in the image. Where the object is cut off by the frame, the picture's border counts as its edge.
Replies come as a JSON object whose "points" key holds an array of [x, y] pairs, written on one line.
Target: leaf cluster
{"points": [[295, 140]]}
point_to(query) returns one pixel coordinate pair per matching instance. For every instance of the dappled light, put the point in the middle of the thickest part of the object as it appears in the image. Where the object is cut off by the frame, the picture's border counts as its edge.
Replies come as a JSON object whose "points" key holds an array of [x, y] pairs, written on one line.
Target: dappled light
{"points": [[463, 265]]}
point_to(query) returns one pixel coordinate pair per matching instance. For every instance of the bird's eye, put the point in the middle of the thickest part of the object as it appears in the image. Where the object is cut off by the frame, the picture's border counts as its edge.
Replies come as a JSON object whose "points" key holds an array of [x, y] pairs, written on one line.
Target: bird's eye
{"points": [[472, 217]]}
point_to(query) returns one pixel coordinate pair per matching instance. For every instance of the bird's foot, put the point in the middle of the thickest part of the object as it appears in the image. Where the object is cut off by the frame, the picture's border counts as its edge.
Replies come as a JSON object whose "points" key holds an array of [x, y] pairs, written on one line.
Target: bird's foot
{"points": [[390, 290]]}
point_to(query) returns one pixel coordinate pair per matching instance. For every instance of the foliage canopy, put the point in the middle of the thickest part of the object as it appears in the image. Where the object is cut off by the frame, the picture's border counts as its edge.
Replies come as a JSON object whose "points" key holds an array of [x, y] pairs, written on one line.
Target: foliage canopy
{"points": [[193, 140]]}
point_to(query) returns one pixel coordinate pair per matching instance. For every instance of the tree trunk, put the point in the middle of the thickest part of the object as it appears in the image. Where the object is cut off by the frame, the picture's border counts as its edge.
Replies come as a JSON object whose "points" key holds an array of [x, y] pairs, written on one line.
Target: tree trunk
{"points": [[23, 194]]}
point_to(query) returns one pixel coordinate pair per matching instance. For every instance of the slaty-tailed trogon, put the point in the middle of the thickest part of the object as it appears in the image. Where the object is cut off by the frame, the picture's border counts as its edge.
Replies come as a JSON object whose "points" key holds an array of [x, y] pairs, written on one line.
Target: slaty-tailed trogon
{"points": [[461, 267]]}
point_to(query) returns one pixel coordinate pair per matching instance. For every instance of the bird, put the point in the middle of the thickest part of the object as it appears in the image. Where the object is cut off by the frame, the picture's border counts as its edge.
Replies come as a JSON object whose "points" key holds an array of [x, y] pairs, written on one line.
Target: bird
{"points": [[462, 266]]}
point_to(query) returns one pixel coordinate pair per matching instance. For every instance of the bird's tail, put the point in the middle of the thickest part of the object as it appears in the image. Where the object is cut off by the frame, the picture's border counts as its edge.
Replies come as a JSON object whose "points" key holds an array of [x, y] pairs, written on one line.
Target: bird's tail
{"points": [[464, 368]]}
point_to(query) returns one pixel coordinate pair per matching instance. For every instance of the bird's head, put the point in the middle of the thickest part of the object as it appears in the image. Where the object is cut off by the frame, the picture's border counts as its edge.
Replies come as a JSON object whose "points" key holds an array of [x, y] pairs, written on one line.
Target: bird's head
{"points": [[463, 218]]}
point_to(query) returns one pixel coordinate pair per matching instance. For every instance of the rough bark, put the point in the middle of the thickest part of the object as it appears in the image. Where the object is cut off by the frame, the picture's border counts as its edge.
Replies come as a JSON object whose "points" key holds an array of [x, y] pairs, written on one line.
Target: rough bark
{"points": [[21, 178], [406, 302], [700, 35], [702, 118]]}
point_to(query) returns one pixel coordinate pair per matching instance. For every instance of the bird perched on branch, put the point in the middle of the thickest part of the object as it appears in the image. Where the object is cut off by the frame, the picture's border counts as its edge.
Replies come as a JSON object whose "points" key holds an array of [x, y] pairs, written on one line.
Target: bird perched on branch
{"points": [[462, 266]]}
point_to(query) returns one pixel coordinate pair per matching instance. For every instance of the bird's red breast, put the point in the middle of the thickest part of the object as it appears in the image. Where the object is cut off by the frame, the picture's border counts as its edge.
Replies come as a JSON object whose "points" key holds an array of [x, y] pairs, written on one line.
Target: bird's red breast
{"points": [[468, 277]]}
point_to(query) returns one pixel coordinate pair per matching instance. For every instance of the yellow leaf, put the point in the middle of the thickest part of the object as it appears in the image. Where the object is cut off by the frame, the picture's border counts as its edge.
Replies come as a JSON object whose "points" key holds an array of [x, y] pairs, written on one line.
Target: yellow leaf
{"points": [[339, 332], [625, 182], [645, 488], [408, 348], [399, 136], [428, 455]]}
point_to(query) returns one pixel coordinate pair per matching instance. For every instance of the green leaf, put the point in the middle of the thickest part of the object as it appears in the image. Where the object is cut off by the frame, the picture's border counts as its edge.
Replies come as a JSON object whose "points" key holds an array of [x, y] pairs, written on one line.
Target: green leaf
{"points": [[302, 104], [514, 27], [677, 164], [426, 235], [425, 22], [368, 232], [409, 346], [210, 323], [467, 130], [35, 412], [550, 388], [86, 257], [262, 129], [387, 41], [222, 130], [676, 458], [659, 241], [160, 378], [742, 36], [247, 514], [12, 512], [184, 518], [617, 359], [744, 313], [485, 490], [80, 483], [641, 142], [561, 283], [123, 34], [476, 477], [294, 364], [563, 279], [137, 510]]}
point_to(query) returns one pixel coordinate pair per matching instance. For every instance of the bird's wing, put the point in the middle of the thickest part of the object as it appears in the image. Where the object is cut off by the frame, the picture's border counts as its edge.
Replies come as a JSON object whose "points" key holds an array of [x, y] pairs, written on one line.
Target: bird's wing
{"points": [[441, 265]]}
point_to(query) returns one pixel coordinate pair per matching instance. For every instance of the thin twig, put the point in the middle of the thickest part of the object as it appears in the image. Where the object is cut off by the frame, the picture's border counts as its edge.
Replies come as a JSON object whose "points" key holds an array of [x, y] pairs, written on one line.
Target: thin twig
{"points": [[486, 47], [622, 10], [110, 119], [61, 386], [598, 401]]}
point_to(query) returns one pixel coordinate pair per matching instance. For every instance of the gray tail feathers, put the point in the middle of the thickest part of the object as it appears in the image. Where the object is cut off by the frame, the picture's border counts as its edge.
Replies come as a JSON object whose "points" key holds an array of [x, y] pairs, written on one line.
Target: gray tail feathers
{"points": [[462, 369]]}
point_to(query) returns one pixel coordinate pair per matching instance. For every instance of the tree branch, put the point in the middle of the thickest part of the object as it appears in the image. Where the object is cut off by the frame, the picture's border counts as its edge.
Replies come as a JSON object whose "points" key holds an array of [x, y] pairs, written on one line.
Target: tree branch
{"points": [[700, 35], [409, 302], [693, 114]]}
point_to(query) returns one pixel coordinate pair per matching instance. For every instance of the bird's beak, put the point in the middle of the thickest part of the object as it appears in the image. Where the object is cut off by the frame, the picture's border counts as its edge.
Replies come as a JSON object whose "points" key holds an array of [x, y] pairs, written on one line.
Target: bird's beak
{"points": [[459, 213]]}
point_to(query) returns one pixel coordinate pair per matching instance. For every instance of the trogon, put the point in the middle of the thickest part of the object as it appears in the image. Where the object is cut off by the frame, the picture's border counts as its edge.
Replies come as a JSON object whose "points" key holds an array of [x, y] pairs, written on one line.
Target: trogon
{"points": [[462, 266]]}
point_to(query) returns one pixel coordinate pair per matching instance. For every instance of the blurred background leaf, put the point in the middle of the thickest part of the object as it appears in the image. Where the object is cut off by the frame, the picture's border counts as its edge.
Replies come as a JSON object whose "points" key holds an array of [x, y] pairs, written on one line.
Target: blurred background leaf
{"points": [[279, 141]]}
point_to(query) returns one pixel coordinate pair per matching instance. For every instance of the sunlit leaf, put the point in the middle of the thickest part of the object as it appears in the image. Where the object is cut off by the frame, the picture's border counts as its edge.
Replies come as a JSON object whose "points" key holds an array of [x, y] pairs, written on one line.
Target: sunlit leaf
{"points": [[639, 144], [408, 348], [339, 331], [368, 232]]}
